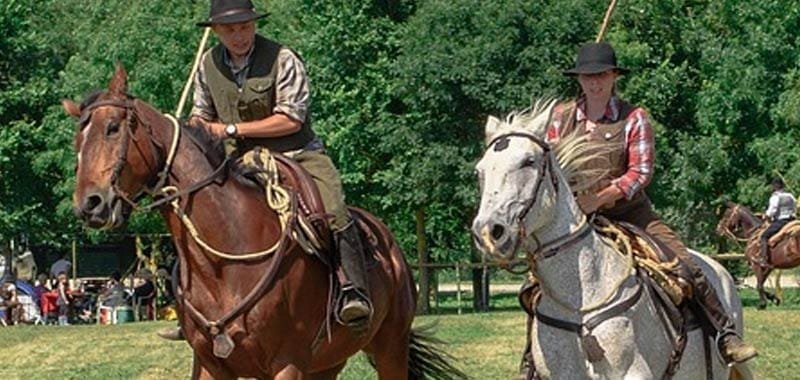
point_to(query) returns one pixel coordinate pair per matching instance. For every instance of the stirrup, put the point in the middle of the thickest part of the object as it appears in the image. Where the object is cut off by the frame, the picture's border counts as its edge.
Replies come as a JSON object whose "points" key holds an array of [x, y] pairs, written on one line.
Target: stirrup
{"points": [[351, 300]]}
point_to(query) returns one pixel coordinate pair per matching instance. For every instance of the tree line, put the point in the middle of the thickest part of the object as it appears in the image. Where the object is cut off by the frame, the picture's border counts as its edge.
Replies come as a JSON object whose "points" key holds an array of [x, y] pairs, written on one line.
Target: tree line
{"points": [[401, 90]]}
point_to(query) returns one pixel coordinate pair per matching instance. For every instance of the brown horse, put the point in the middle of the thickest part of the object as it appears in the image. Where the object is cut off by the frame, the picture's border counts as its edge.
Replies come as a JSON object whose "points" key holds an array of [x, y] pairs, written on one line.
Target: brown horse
{"points": [[741, 224], [263, 318]]}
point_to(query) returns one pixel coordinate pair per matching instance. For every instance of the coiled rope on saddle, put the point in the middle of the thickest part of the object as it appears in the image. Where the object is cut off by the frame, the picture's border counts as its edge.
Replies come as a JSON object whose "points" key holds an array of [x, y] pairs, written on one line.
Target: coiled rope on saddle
{"points": [[278, 198]]}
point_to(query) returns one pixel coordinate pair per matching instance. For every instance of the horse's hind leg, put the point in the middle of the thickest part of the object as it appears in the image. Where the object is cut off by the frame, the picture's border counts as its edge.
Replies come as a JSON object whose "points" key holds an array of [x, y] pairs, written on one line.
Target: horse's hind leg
{"points": [[389, 351]]}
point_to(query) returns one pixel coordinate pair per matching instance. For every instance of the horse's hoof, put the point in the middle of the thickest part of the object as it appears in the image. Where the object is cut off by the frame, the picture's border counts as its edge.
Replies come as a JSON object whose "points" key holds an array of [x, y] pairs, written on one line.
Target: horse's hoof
{"points": [[777, 302], [762, 306]]}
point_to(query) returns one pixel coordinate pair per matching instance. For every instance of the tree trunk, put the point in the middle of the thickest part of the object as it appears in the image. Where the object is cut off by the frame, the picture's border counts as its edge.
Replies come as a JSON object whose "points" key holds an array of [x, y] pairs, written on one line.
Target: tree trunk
{"points": [[423, 302]]}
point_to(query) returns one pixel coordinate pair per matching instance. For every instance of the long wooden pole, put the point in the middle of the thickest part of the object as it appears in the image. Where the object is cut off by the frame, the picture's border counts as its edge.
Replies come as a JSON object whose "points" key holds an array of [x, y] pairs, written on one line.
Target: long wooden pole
{"points": [[195, 66], [606, 19]]}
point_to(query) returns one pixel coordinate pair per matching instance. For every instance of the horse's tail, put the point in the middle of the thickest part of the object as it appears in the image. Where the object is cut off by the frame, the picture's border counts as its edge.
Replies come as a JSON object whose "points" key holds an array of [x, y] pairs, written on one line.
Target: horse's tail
{"points": [[426, 360]]}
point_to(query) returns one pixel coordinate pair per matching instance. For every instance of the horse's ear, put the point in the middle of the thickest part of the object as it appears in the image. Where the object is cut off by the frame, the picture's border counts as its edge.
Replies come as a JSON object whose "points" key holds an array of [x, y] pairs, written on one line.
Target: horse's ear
{"points": [[492, 125], [119, 82], [730, 204], [72, 108]]}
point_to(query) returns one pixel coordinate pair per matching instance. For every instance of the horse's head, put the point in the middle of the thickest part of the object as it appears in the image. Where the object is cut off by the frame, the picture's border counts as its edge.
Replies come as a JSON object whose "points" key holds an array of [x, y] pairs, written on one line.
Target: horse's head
{"points": [[116, 157], [729, 220], [516, 180], [737, 222]]}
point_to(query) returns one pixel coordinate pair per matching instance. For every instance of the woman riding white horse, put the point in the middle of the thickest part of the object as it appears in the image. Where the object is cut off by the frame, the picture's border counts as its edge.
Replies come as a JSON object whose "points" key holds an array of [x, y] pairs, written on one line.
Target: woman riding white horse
{"points": [[527, 207]]}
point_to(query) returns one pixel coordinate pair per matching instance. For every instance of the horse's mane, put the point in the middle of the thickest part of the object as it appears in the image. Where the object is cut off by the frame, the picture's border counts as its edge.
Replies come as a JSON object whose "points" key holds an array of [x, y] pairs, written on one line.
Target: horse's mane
{"points": [[213, 148], [573, 151]]}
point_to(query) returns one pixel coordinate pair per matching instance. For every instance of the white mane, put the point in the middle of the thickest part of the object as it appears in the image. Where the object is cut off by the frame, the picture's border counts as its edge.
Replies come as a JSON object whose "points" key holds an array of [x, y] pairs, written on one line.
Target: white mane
{"points": [[572, 151]]}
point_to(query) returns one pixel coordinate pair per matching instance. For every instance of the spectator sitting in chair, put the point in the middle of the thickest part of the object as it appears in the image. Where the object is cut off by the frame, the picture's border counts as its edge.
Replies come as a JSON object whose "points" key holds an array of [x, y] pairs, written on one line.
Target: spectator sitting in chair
{"points": [[113, 293], [14, 311], [146, 290], [40, 287]]}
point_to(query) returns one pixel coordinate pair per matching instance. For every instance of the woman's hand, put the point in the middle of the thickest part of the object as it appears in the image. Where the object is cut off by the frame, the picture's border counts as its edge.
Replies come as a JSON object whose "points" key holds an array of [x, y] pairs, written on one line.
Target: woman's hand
{"points": [[588, 203]]}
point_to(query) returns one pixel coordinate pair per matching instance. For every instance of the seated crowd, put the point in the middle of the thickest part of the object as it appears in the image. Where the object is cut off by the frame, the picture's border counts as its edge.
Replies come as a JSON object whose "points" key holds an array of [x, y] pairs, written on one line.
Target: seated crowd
{"points": [[55, 301]]}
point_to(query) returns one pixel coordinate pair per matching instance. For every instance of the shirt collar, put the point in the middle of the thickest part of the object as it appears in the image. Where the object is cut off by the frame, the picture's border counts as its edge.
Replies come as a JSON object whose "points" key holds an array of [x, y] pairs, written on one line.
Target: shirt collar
{"points": [[226, 58], [611, 114]]}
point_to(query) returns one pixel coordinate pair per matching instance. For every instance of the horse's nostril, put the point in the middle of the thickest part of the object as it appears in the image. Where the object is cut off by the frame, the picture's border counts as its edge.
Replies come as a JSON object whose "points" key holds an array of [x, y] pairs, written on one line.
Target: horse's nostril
{"points": [[91, 203], [498, 231]]}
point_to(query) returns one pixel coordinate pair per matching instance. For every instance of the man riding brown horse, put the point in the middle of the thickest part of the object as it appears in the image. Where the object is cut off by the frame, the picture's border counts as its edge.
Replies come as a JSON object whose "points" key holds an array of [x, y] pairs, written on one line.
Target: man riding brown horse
{"points": [[781, 210], [255, 91]]}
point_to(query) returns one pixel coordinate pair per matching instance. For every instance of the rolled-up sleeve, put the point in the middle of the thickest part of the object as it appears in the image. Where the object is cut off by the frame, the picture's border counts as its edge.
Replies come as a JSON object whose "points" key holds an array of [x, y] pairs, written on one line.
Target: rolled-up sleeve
{"points": [[641, 153], [772, 209], [291, 95], [203, 104]]}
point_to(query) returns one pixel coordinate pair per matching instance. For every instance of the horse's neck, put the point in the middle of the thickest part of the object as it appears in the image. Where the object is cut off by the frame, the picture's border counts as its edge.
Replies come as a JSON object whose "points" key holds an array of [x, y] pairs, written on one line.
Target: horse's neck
{"points": [[581, 274], [750, 223]]}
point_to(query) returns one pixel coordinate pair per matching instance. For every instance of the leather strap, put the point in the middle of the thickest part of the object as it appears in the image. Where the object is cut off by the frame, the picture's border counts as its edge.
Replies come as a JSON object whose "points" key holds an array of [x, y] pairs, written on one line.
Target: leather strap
{"points": [[597, 319]]}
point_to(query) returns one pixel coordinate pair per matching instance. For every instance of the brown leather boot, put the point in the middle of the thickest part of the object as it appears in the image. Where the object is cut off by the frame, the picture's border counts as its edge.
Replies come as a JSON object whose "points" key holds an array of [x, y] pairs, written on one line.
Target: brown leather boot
{"points": [[732, 348]]}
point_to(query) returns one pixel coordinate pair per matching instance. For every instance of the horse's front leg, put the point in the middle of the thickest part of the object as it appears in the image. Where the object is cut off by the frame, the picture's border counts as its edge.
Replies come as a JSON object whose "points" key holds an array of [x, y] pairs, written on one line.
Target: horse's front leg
{"points": [[201, 372]]}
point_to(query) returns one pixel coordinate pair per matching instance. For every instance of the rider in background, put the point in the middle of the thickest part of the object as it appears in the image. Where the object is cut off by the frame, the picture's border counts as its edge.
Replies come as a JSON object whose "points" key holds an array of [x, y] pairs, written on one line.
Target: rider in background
{"points": [[255, 91], [780, 211], [620, 196]]}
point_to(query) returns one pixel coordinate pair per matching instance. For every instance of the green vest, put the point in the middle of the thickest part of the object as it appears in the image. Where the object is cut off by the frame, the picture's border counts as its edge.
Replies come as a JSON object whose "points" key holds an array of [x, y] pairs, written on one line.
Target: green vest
{"points": [[256, 99]]}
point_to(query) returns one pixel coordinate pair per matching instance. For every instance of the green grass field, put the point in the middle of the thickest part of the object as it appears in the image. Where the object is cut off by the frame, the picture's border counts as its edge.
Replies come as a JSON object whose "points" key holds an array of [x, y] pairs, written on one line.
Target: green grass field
{"points": [[486, 346]]}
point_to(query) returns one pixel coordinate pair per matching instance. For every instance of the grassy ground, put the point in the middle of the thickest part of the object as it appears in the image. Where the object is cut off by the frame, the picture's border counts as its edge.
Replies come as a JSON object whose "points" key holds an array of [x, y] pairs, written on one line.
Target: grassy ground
{"points": [[486, 345]]}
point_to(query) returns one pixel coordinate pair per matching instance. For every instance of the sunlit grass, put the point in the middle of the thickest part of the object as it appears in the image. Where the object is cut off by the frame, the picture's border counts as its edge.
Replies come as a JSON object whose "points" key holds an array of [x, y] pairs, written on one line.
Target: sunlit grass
{"points": [[486, 345]]}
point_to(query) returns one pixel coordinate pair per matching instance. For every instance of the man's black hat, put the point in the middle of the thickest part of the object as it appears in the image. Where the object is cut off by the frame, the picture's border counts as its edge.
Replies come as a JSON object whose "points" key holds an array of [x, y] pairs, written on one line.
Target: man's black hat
{"points": [[231, 12], [595, 58]]}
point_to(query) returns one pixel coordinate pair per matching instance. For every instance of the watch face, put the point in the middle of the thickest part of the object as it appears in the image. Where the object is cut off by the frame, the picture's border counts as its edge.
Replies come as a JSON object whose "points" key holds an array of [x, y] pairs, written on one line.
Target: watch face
{"points": [[230, 130]]}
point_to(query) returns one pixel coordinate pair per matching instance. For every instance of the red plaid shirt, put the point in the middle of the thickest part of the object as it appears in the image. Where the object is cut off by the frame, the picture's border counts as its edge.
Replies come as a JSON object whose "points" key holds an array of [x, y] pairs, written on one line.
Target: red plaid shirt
{"points": [[639, 142]]}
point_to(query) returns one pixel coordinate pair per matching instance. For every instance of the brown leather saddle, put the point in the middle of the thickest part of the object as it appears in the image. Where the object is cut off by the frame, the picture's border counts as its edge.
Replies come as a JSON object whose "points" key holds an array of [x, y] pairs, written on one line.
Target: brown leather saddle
{"points": [[790, 229], [311, 208]]}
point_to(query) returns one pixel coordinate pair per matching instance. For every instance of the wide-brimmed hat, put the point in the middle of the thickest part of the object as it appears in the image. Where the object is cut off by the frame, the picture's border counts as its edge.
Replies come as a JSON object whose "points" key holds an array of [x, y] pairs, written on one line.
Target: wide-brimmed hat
{"points": [[231, 12], [595, 58]]}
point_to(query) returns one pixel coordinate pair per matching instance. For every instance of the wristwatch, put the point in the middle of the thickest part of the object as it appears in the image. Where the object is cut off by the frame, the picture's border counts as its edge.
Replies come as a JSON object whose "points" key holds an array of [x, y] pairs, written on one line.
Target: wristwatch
{"points": [[231, 130]]}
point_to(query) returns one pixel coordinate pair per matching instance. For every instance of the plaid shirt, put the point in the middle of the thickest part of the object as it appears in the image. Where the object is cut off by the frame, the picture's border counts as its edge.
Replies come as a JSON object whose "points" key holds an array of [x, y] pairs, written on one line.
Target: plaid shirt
{"points": [[639, 142]]}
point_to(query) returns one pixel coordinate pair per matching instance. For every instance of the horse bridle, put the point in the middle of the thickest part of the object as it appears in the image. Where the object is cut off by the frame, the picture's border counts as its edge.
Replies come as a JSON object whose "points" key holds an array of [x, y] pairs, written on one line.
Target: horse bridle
{"points": [[127, 134], [552, 247], [726, 229]]}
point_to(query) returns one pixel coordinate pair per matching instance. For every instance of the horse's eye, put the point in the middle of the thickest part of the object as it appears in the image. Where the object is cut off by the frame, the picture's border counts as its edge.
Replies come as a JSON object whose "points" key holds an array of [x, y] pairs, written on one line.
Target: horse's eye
{"points": [[529, 162], [113, 128]]}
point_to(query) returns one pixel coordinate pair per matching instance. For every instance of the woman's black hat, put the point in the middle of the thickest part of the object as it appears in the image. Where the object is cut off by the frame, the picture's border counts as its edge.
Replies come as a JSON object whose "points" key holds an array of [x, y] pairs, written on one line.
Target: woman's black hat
{"points": [[231, 12], [595, 58]]}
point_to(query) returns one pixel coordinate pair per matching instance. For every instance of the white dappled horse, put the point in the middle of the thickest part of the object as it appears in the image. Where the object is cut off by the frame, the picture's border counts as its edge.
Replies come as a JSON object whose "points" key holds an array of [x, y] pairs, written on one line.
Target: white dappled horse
{"points": [[528, 213]]}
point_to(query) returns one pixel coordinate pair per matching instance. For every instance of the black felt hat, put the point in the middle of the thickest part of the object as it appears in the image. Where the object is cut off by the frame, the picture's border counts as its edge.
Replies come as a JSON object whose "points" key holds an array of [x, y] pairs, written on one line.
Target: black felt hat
{"points": [[595, 58], [231, 12]]}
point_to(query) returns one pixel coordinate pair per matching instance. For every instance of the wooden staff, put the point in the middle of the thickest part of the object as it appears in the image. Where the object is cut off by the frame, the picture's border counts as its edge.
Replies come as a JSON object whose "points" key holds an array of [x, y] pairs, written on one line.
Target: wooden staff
{"points": [[606, 19], [195, 66]]}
